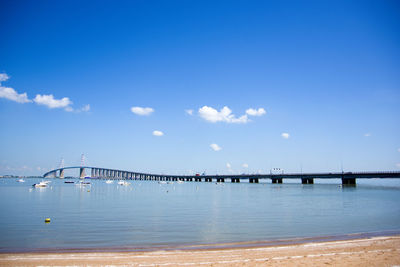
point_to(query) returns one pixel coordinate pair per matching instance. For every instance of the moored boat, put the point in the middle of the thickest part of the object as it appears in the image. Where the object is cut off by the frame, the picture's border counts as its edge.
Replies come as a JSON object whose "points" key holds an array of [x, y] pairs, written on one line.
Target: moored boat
{"points": [[41, 184], [81, 183], [122, 182]]}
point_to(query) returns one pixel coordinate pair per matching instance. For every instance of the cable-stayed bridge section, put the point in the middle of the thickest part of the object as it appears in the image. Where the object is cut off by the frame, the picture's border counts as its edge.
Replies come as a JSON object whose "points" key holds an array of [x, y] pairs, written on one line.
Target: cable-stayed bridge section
{"points": [[348, 178]]}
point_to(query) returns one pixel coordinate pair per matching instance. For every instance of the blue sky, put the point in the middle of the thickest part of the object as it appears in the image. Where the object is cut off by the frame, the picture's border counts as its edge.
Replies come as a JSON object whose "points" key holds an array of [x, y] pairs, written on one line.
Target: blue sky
{"points": [[311, 85]]}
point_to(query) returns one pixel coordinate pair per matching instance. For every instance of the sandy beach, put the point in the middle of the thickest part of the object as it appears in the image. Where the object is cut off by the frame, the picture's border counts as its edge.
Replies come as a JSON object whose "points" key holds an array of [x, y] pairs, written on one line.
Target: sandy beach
{"points": [[376, 251]]}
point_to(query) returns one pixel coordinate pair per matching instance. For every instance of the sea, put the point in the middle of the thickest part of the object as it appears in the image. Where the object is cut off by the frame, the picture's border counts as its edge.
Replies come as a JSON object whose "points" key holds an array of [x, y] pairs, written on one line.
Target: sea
{"points": [[147, 215]]}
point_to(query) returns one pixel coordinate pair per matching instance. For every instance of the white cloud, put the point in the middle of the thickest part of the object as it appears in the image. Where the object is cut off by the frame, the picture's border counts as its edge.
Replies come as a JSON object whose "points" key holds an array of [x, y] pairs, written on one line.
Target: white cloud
{"points": [[50, 102], [225, 115], [215, 147], [85, 108], [189, 111], [4, 77], [398, 165], [285, 135], [9, 93], [255, 112], [245, 165], [158, 133], [142, 111], [367, 135], [228, 165], [46, 100]]}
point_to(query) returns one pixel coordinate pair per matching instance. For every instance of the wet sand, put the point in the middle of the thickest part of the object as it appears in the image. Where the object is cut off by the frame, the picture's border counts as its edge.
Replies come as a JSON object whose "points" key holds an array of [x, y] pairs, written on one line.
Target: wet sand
{"points": [[375, 251]]}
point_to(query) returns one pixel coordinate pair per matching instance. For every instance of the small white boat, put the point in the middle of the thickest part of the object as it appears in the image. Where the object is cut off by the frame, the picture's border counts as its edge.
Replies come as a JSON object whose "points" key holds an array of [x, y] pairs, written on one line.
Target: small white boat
{"points": [[122, 182], [180, 182], [21, 181], [81, 183], [162, 182], [109, 182], [41, 184], [170, 182]]}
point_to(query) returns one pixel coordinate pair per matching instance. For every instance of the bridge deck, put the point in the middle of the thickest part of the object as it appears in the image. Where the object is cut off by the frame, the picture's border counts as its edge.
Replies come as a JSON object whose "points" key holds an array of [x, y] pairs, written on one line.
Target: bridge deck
{"points": [[331, 175]]}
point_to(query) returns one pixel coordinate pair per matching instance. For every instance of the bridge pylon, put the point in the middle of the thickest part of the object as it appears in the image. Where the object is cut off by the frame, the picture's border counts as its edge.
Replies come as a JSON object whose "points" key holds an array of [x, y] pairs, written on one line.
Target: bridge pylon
{"points": [[82, 169], [62, 174], [82, 173], [61, 167]]}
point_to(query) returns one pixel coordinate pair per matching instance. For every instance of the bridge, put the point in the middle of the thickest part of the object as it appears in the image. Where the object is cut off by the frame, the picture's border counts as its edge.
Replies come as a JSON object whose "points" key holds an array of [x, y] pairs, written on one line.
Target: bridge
{"points": [[348, 178]]}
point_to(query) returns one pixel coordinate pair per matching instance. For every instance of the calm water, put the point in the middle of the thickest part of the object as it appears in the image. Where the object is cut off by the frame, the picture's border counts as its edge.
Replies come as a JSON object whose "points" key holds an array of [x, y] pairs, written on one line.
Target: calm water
{"points": [[147, 214]]}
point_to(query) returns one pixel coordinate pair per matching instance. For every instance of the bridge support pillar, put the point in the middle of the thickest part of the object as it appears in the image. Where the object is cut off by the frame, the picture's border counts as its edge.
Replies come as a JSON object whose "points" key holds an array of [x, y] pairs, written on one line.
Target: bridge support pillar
{"points": [[235, 180], [197, 179], [307, 180], [220, 180], [62, 173], [189, 179], [277, 180], [82, 173], [349, 181], [253, 180], [208, 180]]}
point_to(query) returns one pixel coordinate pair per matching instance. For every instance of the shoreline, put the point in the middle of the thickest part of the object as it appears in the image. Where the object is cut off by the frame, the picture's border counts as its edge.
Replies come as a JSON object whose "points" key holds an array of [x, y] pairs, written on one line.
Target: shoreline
{"points": [[371, 251], [210, 246]]}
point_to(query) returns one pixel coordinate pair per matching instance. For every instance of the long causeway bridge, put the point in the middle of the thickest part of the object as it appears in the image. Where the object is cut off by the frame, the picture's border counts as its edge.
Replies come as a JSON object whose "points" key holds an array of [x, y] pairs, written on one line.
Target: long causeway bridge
{"points": [[348, 178]]}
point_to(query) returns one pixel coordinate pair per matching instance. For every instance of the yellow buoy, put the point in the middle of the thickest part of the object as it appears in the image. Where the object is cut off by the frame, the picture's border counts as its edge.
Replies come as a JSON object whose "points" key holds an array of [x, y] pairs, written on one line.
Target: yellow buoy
{"points": [[47, 220]]}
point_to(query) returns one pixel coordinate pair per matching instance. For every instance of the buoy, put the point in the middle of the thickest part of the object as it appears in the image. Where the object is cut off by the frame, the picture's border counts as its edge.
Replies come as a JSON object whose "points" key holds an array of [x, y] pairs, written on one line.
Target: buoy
{"points": [[47, 220], [88, 190]]}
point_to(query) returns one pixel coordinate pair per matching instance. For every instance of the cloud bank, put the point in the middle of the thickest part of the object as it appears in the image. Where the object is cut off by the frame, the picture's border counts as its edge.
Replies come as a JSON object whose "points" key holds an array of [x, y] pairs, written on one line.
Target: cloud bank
{"points": [[285, 135]]}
